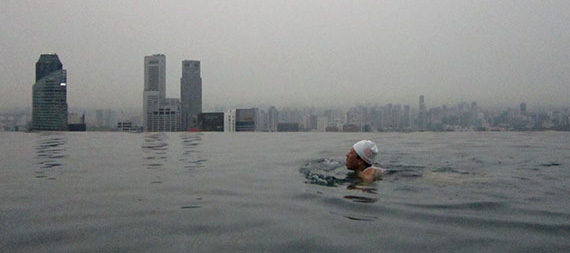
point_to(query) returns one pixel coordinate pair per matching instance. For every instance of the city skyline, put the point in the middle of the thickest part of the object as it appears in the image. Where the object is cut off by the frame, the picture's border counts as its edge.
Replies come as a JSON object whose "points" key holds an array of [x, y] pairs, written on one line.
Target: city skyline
{"points": [[296, 53], [391, 117]]}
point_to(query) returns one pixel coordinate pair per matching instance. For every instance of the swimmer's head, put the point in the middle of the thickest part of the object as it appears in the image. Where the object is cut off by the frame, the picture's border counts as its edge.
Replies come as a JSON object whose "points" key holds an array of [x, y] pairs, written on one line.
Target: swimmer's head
{"points": [[366, 150]]}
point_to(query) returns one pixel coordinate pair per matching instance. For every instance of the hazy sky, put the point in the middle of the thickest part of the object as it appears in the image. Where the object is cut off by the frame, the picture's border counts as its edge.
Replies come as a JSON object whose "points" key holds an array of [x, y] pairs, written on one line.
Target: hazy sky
{"points": [[306, 52]]}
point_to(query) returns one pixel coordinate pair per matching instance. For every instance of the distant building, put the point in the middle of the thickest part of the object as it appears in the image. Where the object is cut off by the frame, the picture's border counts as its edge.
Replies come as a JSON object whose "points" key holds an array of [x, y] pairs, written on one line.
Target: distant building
{"points": [[288, 127], [272, 119], [422, 115], [49, 101], [190, 94], [211, 121], [331, 129], [322, 123], [106, 119], [160, 114], [350, 128], [246, 120], [242, 120], [126, 126], [77, 123], [99, 117], [166, 118], [523, 108], [230, 121], [406, 117], [154, 90]]}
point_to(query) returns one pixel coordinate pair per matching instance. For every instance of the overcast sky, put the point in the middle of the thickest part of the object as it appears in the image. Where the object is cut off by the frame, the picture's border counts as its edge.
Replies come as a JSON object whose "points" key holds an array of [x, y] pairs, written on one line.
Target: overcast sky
{"points": [[306, 52]]}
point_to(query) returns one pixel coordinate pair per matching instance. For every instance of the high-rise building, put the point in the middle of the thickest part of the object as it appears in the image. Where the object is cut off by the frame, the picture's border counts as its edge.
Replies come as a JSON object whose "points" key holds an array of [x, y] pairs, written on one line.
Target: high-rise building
{"points": [[422, 115], [154, 90], [190, 94], [49, 101], [155, 74]]}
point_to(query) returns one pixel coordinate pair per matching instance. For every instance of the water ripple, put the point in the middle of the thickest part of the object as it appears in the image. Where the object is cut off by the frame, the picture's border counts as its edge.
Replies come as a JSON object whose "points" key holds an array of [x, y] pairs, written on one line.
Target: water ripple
{"points": [[191, 150], [50, 152], [154, 146], [464, 206]]}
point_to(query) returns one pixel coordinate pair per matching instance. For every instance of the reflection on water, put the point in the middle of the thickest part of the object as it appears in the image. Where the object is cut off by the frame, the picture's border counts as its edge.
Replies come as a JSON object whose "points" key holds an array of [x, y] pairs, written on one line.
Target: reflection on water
{"points": [[361, 192], [192, 155], [155, 147], [50, 153], [162, 153]]}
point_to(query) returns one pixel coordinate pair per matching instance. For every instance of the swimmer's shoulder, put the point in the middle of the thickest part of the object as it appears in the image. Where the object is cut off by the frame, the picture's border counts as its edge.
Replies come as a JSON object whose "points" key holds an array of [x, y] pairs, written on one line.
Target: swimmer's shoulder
{"points": [[374, 172]]}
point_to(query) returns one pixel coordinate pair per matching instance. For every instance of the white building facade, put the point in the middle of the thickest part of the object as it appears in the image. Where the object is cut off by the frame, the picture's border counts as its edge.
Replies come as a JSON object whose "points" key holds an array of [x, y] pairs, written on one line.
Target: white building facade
{"points": [[230, 120]]}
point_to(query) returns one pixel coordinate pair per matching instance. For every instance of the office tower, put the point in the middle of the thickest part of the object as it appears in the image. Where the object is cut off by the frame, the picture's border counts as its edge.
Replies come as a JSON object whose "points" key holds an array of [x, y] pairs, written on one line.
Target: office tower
{"points": [[49, 101], [154, 90], [155, 74], [190, 94]]}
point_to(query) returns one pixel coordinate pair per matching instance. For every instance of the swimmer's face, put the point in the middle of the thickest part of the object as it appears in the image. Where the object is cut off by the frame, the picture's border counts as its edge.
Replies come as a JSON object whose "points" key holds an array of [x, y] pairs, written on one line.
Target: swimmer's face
{"points": [[352, 160]]}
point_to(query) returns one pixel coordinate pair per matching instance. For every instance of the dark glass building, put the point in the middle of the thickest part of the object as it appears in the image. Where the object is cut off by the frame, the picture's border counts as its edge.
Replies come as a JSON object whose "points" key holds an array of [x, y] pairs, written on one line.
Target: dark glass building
{"points": [[211, 121], [49, 101]]}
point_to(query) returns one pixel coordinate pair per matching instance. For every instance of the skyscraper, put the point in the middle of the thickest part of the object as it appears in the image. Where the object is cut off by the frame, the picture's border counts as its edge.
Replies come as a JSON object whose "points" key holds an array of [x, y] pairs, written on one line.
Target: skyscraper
{"points": [[160, 114], [154, 89], [190, 94], [49, 101], [155, 74]]}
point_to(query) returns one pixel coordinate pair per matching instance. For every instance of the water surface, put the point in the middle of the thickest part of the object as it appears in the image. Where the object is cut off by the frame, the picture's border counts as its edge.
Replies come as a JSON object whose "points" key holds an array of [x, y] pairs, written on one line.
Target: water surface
{"points": [[244, 192]]}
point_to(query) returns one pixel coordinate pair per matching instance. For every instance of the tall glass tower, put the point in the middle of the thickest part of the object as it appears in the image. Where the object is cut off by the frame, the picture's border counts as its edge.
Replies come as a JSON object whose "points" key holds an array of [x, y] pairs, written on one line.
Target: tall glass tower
{"points": [[190, 94], [49, 101]]}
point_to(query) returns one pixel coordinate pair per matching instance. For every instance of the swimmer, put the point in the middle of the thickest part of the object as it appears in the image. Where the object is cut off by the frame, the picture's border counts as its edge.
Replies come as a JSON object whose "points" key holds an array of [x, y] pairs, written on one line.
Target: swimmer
{"points": [[360, 159]]}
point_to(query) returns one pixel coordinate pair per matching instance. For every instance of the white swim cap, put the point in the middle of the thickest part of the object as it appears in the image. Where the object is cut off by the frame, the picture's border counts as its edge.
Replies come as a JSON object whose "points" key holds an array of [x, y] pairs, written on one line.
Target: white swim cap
{"points": [[367, 150]]}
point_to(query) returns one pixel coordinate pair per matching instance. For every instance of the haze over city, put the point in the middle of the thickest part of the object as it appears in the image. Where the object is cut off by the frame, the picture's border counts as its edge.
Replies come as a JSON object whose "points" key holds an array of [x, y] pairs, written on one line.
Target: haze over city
{"points": [[309, 53]]}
